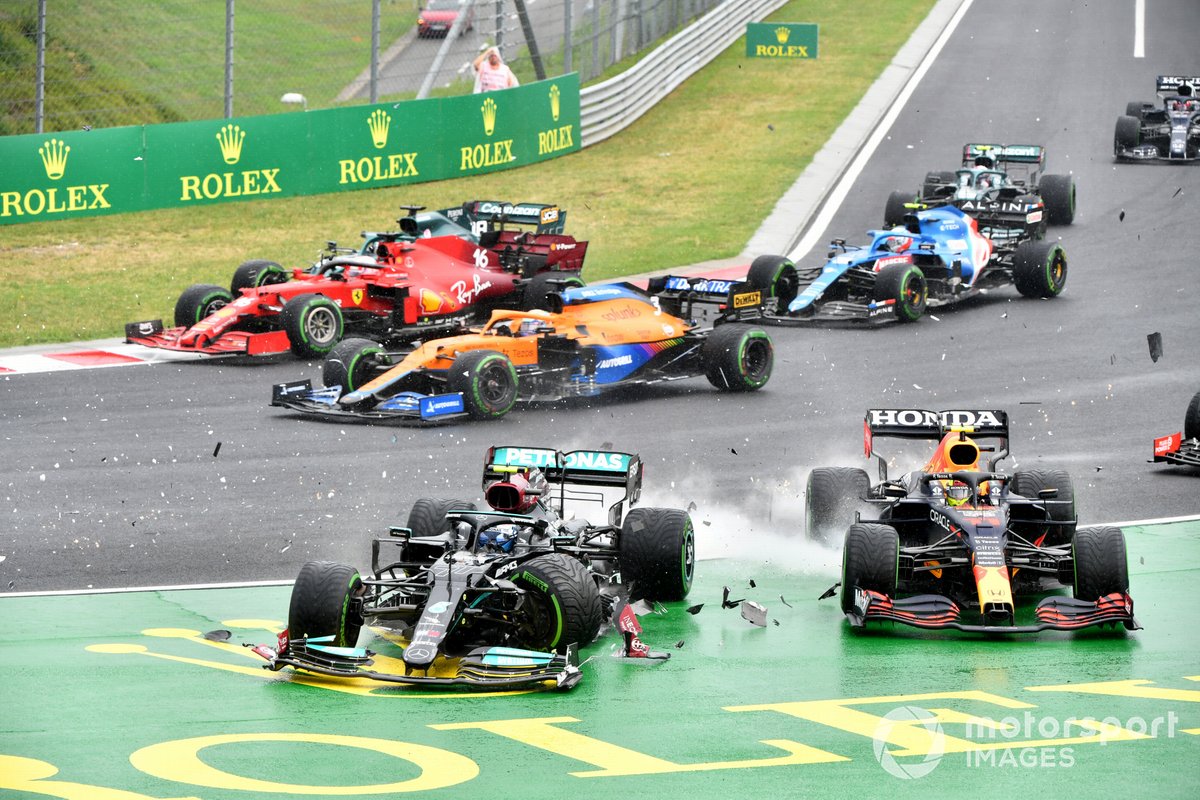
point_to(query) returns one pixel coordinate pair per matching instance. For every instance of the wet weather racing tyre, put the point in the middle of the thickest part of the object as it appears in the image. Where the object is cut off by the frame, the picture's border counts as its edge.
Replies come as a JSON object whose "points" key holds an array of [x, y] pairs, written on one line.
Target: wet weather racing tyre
{"points": [[1191, 419], [1061, 508], [255, 273], [775, 277], [1039, 269], [897, 208], [1058, 194], [313, 324], [1101, 565], [1127, 135], [870, 557], [428, 515], [1134, 109], [738, 358], [352, 363], [561, 605], [905, 285], [488, 382], [198, 301], [542, 285], [658, 553], [832, 495], [322, 603], [935, 180]]}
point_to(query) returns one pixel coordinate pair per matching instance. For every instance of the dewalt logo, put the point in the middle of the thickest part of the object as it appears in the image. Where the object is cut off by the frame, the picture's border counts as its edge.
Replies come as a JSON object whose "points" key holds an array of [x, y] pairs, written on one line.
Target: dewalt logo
{"points": [[216, 185], [54, 199]]}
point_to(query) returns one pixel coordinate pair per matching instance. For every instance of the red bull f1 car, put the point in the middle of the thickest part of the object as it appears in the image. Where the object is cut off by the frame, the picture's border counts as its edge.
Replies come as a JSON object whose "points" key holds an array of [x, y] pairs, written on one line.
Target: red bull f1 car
{"points": [[1182, 448], [1003, 186], [938, 257], [495, 598], [956, 544], [598, 338], [439, 273], [1168, 133]]}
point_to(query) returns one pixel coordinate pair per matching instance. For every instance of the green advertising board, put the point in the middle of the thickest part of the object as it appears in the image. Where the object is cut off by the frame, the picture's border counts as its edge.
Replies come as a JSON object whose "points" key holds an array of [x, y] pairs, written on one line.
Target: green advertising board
{"points": [[84, 173], [781, 40]]}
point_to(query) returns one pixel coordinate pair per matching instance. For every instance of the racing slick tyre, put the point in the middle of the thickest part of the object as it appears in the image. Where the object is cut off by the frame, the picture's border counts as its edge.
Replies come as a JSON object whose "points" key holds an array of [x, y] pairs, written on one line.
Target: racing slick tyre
{"points": [[1128, 134], [832, 496], [313, 324], [198, 301], [488, 382], [1134, 108], [934, 180], [657, 553], [870, 560], [738, 358], [321, 603], [1101, 565], [541, 285], [1039, 269], [1030, 482], [905, 284], [561, 604], [1191, 419], [1058, 193], [897, 208], [775, 277], [255, 273], [428, 515], [352, 363]]}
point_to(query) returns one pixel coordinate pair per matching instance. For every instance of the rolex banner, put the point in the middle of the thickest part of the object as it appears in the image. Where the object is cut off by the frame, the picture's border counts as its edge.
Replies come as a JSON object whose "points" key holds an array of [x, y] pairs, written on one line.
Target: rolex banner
{"points": [[109, 171], [781, 40]]}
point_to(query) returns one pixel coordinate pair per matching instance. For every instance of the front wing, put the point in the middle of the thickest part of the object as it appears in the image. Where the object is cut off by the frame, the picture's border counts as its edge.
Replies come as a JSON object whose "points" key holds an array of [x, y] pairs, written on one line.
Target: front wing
{"points": [[837, 312], [1174, 449], [300, 396], [933, 612], [483, 667], [230, 343]]}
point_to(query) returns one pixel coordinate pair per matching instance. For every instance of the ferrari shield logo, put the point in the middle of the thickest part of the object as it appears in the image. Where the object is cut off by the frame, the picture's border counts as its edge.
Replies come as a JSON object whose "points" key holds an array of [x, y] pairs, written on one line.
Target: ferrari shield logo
{"points": [[356, 296], [431, 303]]}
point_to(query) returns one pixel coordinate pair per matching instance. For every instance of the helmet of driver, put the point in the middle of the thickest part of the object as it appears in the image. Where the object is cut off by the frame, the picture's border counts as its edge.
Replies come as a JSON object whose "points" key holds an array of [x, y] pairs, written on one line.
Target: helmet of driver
{"points": [[957, 493]]}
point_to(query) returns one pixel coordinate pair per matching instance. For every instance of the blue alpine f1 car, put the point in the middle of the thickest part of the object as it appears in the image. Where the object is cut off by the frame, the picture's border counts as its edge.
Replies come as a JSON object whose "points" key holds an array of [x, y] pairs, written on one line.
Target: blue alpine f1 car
{"points": [[938, 257]]}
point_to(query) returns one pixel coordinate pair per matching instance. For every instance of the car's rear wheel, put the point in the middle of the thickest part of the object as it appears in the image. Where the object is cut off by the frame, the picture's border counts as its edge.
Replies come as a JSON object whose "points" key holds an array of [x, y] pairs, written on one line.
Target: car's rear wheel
{"points": [[935, 180], [561, 605], [1101, 563], [428, 515], [738, 358], [199, 301], [658, 553], [313, 324], [905, 285], [541, 285], [1134, 109], [322, 604], [1191, 419], [775, 277], [897, 208], [1039, 269], [870, 561], [255, 273], [1029, 483], [488, 382], [1058, 193], [1128, 134], [832, 498], [353, 363]]}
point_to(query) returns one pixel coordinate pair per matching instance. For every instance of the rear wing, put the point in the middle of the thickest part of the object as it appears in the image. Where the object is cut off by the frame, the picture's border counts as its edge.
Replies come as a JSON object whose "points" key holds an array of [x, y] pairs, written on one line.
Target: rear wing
{"points": [[737, 299], [1170, 84], [481, 216], [580, 467], [914, 423], [1004, 153]]}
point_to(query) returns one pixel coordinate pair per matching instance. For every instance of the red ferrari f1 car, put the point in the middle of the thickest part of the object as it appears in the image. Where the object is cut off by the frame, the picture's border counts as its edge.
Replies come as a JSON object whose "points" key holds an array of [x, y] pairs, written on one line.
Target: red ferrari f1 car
{"points": [[956, 543], [440, 272]]}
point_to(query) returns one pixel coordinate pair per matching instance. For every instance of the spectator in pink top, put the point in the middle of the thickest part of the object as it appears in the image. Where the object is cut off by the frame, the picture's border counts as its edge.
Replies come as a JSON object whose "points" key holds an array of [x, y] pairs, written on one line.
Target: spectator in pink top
{"points": [[491, 73]]}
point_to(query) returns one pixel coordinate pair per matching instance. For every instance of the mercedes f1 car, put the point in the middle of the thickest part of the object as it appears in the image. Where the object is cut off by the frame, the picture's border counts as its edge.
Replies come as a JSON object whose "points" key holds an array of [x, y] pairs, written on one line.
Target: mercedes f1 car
{"points": [[956, 543], [937, 258], [1169, 133], [598, 338], [1003, 186], [498, 598], [438, 274], [1182, 448]]}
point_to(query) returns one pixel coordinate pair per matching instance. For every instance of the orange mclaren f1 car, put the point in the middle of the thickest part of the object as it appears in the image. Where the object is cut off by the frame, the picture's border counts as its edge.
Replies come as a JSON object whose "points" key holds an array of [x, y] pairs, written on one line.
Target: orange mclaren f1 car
{"points": [[597, 338], [956, 543]]}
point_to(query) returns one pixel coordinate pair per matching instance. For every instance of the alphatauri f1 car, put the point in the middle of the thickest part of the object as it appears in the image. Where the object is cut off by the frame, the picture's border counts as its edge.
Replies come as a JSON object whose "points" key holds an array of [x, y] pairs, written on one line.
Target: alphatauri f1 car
{"points": [[1003, 186], [937, 258], [1182, 448], [498, 598], [597, 338], [438, 274], [1169, 133], [956, 543]]}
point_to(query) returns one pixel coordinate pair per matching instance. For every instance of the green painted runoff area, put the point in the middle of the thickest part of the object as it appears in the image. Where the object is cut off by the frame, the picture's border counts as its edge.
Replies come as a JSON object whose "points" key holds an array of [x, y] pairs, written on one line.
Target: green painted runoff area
{"points": [[120, 696]]}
